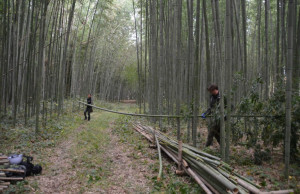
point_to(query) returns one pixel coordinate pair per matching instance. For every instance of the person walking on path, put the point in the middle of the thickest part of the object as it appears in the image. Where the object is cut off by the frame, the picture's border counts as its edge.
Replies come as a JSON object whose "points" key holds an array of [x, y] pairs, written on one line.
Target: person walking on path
{"points": [[214, 125], [88, 109]]}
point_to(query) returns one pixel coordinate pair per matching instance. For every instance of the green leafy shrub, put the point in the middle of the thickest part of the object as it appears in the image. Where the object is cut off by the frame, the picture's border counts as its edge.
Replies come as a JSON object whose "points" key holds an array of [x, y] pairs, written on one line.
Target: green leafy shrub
{"points": [[269, 130]]}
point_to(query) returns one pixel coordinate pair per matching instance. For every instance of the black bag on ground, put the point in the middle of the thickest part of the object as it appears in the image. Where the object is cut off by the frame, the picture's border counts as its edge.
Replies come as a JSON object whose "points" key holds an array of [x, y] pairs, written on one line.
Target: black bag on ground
{"points": [[30, 169]]}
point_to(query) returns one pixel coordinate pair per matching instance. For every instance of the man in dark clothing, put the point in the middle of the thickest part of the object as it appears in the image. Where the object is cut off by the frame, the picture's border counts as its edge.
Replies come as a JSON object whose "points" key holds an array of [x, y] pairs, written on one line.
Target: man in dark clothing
{"points": [[213, 108], [88, 108]]}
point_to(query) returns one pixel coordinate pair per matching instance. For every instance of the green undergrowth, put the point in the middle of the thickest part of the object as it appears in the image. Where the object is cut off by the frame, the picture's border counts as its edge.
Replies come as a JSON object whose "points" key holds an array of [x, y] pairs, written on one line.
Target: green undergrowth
{"points": [[91, 141], [22, 139], [170, 182]]}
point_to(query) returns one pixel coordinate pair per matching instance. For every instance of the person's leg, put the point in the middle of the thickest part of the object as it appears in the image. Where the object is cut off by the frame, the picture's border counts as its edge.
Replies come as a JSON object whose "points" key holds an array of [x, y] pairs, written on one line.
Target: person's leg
{"points": [[85, 114], [210, 137], [89, 113], [218, 133]]}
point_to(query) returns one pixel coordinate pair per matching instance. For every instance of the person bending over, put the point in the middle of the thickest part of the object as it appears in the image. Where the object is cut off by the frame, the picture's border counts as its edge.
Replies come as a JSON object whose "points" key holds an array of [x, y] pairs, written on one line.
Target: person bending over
{"points": [[214, 129]]}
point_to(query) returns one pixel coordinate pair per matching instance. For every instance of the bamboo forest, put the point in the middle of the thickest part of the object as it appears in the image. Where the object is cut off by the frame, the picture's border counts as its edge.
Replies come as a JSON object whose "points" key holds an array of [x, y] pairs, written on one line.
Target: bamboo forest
{"points": [[150, 96]]}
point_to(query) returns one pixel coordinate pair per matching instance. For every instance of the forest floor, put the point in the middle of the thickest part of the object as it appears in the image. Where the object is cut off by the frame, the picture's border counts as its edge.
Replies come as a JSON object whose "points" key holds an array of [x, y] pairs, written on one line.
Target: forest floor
{"points": [[103, 155]]}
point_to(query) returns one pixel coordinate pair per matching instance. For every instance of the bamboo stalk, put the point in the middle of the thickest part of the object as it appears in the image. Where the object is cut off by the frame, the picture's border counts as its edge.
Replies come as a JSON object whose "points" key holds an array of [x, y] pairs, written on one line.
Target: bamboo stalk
{"points": [[138, 129], [4, 161], [199, 181], [11, 178], [248, 186], [180, 155], [245, 179], [160, 160], [12, 170], [190, 172], [5, 183], [279, 192], [169, 154], [216, 175], [165, 116], [219, 177]]}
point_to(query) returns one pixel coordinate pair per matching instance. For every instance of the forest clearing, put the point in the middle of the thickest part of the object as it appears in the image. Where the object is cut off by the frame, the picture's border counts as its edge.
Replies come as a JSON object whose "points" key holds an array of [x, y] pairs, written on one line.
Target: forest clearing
{"points": [[150, 96]]}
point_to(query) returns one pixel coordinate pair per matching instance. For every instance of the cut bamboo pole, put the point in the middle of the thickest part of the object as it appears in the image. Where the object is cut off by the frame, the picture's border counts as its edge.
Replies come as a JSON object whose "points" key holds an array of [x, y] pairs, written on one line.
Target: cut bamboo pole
{"points": [[249, 187], [165, 116], [5, 183], [246, 180], [190, 172], [11, 178], [207, 170], [199, 181], [160, 160], [179, 157], [12, 170], [169, 154], [279, 192], [4, 161]]}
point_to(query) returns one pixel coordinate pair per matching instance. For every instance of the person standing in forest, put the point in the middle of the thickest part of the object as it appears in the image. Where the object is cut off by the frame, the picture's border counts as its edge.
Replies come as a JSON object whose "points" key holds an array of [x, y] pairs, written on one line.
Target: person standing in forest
{"points": [[88, 109], [214, 129]]}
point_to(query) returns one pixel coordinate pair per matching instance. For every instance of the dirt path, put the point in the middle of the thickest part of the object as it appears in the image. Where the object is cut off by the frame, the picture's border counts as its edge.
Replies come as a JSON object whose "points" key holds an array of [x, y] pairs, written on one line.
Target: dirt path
{"points": [[64, 174], [59, 176], [129, 173]]}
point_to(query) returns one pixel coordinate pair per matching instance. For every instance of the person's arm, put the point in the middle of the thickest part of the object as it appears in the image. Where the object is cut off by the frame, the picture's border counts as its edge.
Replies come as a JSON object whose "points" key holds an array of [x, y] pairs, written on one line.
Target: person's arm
{"points": [[208, 111]]}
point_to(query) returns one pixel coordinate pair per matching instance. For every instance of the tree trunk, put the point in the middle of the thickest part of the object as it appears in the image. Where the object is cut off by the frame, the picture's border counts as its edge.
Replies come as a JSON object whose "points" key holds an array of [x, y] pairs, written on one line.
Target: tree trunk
{"points": [[228, 56], [266, 72], [289, 70], [40, 63]]}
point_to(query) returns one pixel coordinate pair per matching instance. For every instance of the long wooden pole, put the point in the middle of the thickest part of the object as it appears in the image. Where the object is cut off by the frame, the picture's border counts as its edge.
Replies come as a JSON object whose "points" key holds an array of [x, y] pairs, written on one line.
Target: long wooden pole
{"points": [[166, 116], [160, 160]]}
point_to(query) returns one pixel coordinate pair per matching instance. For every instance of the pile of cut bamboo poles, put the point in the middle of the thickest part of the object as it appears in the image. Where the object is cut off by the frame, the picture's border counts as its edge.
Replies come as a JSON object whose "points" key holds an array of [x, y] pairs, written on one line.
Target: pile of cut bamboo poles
{"points": [[210, 172], [4, 180]]}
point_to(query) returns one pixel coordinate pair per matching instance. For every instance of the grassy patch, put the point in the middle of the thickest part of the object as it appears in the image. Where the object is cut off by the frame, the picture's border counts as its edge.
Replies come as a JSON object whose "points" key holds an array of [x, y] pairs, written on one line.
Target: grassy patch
{"points": [[88, 153], [170, 183], [23, 139]]}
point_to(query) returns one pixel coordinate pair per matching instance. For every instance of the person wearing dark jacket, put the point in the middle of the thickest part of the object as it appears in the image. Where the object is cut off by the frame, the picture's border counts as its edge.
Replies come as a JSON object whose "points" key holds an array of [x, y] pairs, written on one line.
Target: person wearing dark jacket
{"points": [[214, 129], [88, 108]]}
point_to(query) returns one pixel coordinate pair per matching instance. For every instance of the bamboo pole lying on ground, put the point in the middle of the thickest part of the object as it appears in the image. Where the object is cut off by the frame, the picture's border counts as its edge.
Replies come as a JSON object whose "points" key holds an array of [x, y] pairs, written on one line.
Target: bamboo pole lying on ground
{"points": [[160, 160], [12, 170], [4, 161], [212, 174], [278, 192], [189, 171], [165, 116], [11, 178], [4, 183]]}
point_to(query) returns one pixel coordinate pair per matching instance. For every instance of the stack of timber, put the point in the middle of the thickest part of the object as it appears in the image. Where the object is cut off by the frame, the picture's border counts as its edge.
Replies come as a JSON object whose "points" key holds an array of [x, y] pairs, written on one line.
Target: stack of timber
{"points": [[5, 181], [210, 172]]}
